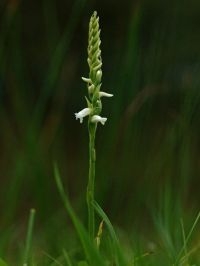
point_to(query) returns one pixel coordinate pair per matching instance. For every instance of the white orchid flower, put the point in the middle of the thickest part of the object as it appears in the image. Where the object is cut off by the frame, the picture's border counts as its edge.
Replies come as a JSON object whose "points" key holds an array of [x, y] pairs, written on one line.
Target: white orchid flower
{"points": [[80, 115], [87, 80], [105, 94], [97, 118]]}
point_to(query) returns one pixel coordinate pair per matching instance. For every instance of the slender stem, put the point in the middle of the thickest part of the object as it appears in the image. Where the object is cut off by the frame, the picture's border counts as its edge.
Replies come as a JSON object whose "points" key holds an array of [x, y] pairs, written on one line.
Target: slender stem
{"points": [[91, 179]]}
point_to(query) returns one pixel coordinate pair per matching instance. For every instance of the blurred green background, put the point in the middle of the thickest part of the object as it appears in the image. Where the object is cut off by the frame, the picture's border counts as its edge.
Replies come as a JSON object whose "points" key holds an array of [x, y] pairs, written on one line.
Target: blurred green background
{"points": [[148, 157]]}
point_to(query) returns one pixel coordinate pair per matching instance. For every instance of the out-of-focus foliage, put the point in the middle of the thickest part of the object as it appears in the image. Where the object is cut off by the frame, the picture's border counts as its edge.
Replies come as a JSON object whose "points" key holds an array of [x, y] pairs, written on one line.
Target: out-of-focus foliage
{"points": [[147, 154]]}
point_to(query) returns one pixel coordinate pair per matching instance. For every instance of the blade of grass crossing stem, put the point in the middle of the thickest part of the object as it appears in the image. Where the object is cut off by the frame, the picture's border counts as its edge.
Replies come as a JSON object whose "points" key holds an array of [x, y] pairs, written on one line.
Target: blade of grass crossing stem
{"points": [[90, 250], [119, 257], [187, 239], [27, 252]]}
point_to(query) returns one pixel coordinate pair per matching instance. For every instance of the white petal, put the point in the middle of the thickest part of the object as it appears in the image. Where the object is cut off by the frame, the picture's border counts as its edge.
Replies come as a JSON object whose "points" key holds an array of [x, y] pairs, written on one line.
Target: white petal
{"points": [[82, 113], [86, 80], [97, 118], [105, 94]]}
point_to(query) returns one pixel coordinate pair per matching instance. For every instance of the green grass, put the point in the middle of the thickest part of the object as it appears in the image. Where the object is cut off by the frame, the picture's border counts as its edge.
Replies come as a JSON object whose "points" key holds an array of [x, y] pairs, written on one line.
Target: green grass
{"points": [[147, 155]]}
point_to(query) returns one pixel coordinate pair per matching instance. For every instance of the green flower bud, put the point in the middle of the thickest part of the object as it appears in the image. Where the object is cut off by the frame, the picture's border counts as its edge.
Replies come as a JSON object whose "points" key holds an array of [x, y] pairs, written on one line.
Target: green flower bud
{"points": [[98, 76], [94, 51]]}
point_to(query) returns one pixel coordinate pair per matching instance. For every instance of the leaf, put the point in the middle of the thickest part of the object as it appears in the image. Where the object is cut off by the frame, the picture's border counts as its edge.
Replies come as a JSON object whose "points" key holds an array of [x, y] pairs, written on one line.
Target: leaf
{"points": [[119, 257], [2, 263], [91, 253]]}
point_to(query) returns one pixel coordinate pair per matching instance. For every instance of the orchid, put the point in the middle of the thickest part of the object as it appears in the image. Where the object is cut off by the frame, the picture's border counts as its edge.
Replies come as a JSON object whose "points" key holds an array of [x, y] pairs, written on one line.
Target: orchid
{"points": [[95, 76], [105, 94], [80, 115], [93, 110], [98, 118]]}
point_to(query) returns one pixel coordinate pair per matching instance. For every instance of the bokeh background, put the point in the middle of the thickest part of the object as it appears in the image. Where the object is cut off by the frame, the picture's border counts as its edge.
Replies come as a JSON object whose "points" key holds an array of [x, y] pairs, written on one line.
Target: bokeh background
{"points": [[148, 157]]}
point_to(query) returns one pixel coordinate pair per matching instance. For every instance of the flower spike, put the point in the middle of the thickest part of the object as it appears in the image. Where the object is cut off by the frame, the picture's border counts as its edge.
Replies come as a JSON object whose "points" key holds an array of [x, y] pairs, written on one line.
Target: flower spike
{"points": [[94, 81]]}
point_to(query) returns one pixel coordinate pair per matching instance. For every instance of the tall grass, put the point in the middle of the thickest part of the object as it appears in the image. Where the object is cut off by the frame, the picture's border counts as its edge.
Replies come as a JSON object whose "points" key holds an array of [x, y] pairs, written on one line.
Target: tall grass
{"points": [[148, 160]]}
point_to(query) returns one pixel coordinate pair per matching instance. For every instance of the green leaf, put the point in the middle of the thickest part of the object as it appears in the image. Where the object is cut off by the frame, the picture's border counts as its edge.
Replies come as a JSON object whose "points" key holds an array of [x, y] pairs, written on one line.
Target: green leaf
{"points": [[2, 263], [92, 255], [119, 258]]}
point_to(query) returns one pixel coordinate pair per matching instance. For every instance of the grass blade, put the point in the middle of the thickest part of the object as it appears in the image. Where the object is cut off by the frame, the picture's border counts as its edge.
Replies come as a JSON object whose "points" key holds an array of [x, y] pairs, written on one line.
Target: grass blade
{"points": [[184, 248], [29, 237], [118, 255], [90, 250]]}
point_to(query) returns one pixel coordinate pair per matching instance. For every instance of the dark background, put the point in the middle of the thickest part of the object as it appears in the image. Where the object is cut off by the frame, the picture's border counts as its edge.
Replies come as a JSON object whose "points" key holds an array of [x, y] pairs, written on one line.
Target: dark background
{"points": [[148, 158]]}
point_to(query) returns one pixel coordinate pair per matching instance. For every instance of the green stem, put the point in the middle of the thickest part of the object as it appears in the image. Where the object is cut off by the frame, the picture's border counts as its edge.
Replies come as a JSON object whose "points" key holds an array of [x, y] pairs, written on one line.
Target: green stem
{"points": [[91, 179]]}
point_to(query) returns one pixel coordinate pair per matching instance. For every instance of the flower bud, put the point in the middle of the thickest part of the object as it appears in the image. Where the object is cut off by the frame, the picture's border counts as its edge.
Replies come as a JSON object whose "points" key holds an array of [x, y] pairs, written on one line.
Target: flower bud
{"points": [[91, 88], [99, 76]]}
